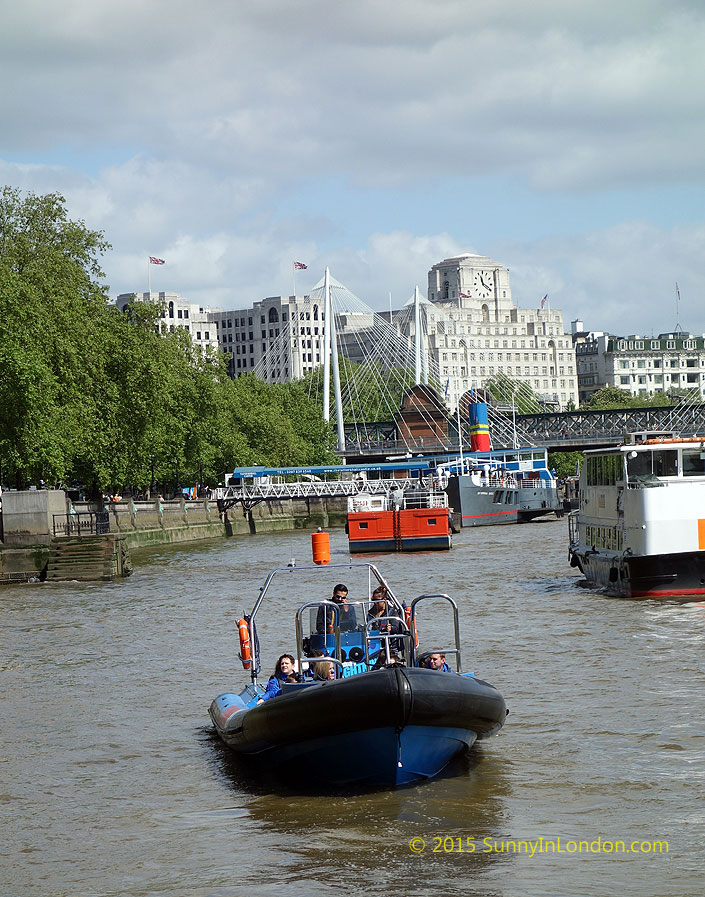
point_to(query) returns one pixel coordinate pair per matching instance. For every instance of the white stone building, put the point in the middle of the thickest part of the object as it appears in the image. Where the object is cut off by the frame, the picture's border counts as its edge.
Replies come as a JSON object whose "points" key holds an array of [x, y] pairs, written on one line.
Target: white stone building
{"points": [[476, 331], [179, 313], [281, 336], [641, 365]]}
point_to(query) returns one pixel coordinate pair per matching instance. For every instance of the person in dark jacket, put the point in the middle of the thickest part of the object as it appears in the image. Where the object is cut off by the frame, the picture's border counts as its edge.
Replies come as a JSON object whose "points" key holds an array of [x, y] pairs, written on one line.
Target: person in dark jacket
{"points": [[437, 662], [283, 669], [325, 619], [382, 608]]}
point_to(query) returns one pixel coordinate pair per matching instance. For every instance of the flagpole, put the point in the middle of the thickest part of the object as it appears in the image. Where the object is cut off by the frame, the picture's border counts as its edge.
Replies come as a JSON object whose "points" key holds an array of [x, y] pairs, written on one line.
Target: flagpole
{"points": [[293, 275], [149, 279]]}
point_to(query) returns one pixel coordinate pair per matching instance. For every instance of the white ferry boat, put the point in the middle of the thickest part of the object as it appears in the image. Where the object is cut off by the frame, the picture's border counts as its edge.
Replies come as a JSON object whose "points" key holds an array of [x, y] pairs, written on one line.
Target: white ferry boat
{"points": [[502, 486], [639, 530]]}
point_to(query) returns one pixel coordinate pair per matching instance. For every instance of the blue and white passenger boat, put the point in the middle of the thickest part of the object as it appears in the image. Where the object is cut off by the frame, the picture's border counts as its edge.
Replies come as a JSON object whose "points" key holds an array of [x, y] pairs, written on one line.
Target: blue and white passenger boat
{"points": [[375, 723]]}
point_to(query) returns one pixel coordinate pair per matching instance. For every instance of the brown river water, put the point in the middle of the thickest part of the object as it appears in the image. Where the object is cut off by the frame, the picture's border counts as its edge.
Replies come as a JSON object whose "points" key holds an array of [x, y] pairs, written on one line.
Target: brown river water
{"points": [[112, 783]]}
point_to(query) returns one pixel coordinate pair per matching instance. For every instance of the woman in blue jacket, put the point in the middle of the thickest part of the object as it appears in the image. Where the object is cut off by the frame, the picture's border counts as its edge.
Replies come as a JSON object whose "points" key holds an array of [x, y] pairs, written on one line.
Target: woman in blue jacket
{"points": [[283, 669]]}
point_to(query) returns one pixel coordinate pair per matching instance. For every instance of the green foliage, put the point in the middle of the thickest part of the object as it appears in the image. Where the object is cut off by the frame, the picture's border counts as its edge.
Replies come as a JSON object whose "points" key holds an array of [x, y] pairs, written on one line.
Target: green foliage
{"points": [[566, 464], [89, 393], [505, 390], [370, 391], [613, 397]]}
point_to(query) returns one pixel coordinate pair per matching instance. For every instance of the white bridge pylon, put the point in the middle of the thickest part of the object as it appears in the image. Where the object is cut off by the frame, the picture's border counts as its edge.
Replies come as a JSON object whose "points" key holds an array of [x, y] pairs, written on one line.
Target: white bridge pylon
{"points": [[384, 355]]}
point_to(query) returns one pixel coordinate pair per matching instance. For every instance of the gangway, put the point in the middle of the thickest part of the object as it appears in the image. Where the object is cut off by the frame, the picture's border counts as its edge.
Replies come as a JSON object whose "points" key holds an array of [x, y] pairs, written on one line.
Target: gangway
{"points": [[249, 486]]}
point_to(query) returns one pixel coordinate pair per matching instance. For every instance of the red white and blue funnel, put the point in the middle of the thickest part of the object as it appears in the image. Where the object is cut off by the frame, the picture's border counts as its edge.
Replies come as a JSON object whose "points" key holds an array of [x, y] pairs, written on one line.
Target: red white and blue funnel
{"points": [[479, 428]]}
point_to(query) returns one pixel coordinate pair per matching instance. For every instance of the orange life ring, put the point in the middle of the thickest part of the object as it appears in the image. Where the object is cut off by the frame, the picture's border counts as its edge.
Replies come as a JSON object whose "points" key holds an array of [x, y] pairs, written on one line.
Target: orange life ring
{"points": [[245, 654], [407, 614]]}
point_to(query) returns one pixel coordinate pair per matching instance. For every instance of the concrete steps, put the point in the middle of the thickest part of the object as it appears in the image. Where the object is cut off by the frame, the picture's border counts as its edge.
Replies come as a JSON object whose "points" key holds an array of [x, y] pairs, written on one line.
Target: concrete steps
{"points": [[86, 559]]}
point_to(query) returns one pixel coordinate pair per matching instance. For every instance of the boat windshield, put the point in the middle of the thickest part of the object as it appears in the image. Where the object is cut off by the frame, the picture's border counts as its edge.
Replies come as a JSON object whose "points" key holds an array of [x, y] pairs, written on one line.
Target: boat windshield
{"points": [[641, 466], [693, 462]]}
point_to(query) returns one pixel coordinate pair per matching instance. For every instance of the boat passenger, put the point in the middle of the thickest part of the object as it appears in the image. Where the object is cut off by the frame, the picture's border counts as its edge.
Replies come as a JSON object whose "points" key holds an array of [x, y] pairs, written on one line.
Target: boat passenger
{"points": [[324, 669], [388, 658], [325, 619], [283, 669], [381, 608], [437, 662]]}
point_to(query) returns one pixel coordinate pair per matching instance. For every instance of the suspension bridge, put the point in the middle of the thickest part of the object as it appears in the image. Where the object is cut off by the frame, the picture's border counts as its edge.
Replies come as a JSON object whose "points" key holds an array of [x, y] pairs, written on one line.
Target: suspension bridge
{"points": [[387, 393]]}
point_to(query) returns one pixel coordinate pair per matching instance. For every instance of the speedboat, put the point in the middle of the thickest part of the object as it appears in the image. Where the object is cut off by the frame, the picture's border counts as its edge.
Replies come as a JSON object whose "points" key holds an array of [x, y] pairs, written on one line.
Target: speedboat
{"points": [[377, 723]]}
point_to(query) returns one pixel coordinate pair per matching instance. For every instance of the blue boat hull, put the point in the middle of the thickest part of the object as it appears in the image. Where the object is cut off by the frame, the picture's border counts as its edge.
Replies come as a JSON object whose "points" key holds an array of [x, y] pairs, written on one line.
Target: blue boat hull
{"points": [[376, 756], [387, 727]]}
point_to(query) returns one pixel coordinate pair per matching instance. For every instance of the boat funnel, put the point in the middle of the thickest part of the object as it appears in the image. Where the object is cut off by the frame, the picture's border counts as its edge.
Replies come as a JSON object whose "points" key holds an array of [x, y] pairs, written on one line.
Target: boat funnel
{"points": [[479, 428]]}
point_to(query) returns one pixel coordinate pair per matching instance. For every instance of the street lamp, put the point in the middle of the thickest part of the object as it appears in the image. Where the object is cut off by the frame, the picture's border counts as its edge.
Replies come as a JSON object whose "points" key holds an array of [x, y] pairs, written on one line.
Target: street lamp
{"points": [[151, 485]]}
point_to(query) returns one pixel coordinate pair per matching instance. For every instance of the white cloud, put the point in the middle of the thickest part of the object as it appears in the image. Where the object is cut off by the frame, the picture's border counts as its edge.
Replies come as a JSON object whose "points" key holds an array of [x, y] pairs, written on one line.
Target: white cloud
{"points": [[182, 131]]}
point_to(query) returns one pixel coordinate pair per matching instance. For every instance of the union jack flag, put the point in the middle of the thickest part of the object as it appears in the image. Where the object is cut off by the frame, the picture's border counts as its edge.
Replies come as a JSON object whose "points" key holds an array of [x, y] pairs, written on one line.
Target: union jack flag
{"points": [[300, 266], [464, 295], [543, 301], [153, 261]]}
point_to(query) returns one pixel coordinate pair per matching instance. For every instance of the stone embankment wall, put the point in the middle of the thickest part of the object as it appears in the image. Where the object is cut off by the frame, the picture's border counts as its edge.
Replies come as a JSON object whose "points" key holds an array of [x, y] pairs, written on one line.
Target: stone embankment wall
{"points": [[31, 551], [159, 522]]}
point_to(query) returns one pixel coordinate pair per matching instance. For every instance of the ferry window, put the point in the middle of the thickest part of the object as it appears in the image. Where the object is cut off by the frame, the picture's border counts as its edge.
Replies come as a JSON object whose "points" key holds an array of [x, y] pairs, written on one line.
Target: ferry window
{"points": [[640, 466], [666, 463], [693, 463], [498, 497], [432, 521]]}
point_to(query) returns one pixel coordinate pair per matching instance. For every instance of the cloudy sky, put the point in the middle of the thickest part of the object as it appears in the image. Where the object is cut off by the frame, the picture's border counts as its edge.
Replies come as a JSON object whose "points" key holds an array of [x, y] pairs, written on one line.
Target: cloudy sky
{"points": [[562, 138]]}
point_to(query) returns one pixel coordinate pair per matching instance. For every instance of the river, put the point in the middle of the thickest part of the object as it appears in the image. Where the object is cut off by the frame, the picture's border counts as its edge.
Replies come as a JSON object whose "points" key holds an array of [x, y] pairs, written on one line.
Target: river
{"points": [[113, 784]]}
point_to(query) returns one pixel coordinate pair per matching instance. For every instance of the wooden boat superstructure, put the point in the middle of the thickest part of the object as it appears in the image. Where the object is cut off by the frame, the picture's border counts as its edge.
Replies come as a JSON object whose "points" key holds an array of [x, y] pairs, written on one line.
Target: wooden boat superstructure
{"points": [[639, 530]]}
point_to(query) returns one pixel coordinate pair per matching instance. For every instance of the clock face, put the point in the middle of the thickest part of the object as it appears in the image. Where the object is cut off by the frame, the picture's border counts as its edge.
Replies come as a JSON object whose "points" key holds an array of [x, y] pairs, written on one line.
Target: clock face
{"points": [[483, 283]]}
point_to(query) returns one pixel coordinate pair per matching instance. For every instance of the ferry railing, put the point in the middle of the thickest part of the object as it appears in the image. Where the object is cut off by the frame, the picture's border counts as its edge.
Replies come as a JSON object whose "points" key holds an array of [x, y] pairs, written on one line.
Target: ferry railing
{"points": [[81, 524], [456, 626], [308, 489]]}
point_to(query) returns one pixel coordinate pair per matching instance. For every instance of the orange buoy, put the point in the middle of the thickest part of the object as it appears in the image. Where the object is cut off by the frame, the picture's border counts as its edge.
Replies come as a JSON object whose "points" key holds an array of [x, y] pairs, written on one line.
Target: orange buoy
{"points": [[245, 653], [320, 546]]}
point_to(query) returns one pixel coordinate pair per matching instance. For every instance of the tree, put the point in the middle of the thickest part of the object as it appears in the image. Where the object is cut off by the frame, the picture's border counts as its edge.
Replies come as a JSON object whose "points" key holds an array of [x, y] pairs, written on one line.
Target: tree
{"points": [[91, 393], [370, 391], [566, 464], [51, 308], [610, 397], [507, 390]]}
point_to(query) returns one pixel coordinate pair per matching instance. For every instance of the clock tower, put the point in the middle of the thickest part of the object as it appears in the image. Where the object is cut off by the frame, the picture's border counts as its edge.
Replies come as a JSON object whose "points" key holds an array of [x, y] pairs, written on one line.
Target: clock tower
{"points": [[471, 281]]}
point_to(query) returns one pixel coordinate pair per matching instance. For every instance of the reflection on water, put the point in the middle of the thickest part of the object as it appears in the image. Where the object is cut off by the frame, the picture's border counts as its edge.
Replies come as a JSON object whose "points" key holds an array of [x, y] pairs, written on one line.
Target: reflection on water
{"points": [[113, 783]]}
